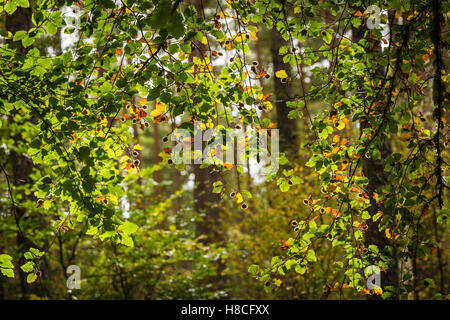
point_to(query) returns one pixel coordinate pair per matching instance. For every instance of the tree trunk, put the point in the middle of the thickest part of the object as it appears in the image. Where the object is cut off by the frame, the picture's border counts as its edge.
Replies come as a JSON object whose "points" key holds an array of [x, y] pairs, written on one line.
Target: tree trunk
{"points": [[22, 166], [283, 92], [156, 152], [374, 171]]}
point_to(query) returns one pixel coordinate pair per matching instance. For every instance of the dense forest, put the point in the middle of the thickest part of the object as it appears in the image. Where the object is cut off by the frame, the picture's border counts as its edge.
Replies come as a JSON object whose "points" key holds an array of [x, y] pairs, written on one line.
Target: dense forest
{"points": [[224, 149]]}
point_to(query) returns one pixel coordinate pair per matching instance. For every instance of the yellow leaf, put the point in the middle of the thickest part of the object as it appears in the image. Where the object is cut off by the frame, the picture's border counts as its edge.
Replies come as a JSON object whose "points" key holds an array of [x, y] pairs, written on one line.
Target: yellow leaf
{"points": [[277, 282], [240, 37], [281, 74], [253, 35], [160, 109], [239, 198], [377, 216], [113, 198], [224, 14], [138, 147], [267, 105], [378, 291], [151, 49], [155, 113]]}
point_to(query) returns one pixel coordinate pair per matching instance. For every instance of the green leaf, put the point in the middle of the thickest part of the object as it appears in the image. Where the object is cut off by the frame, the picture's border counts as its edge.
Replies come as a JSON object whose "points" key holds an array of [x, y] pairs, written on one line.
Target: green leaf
{"points": [[253, 269], [365, 215], [19, 35], [84, 154], [154, 93], [4, 258], [10, 7], [373, 248], [128, 227], [31, 278], [27, 41], [371, 270], [290, 263], [23, 3], [284, 186], [7, 272], [27, 267], [51, 27], [28, 255], [127, 240], [175, 26], [300, 269], [311, 256], [158, 19]]}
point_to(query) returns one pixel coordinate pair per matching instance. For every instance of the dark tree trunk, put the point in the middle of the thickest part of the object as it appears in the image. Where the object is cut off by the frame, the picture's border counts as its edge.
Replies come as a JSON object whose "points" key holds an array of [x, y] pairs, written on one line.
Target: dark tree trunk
{"points": [[374, 171], [283, 92], [22, 167], [205, 201]]}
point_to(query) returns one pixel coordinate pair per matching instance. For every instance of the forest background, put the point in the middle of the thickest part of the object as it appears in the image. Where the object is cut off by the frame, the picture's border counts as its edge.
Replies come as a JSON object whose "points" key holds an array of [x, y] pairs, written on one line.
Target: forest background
{"points": [[92, 93]]}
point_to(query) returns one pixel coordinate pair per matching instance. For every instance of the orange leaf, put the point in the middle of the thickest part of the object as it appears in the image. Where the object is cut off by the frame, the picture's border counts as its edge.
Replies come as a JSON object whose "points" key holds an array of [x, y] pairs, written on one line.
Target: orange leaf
{"points": [[141, 114], [267, 96], [336, 213], [335, 150], [128, 166], [388, 233], [228, 165], [262, 74], [365, 291], [143, 101], [336, 139]]}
